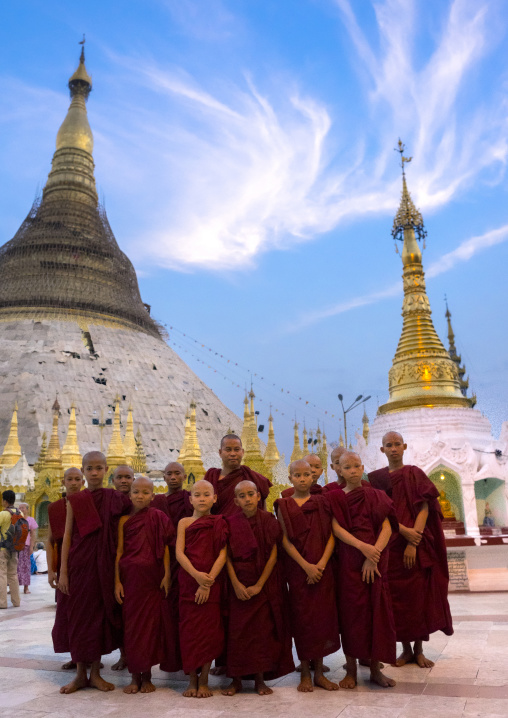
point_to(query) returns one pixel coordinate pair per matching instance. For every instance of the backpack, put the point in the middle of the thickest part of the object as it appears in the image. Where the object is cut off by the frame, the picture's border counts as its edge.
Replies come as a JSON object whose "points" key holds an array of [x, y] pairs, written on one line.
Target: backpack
{"points": [[17, 532]]}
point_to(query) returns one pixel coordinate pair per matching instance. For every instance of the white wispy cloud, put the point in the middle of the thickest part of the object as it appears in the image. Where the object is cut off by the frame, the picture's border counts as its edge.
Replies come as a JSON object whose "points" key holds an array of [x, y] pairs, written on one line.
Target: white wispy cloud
{"points": [[463, 253]]}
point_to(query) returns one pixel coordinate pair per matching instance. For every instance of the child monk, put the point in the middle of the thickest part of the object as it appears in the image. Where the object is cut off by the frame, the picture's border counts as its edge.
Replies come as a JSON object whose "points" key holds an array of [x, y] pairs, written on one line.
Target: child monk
{"points": [[418, 566], [87, 573], [257, 601], [225, 480], [363, 521], [201, 552], [123, 476], [142, 578], [316, 468], [309, 544], [73, 482]]}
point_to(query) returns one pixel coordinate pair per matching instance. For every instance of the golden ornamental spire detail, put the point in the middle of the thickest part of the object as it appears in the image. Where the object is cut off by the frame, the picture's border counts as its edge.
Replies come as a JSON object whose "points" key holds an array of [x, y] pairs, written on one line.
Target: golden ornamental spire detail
{"points": [[253, 457], [297, 453], [366, 428], [323, 455], [54, 455], [42, 454], [407, 215], [129, 440], [422, 372], [116, 451], [191, 460], [12, 450], [272, 455], [139, 463], [186, 436], [246, 422], [71, 455]]}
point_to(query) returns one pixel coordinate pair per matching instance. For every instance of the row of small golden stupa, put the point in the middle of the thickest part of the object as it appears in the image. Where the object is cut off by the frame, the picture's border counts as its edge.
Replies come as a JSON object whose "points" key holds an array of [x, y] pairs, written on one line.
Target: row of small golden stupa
{"points": [[128, 449]]}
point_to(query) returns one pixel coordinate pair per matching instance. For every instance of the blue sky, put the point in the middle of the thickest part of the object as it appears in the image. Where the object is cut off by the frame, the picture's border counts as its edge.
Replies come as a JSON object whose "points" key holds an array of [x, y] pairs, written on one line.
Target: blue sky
{"points": [[244, 152]]}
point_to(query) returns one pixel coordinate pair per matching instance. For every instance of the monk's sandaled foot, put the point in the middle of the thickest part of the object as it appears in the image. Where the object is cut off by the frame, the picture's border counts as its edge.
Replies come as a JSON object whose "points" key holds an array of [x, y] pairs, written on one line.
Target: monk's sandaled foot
{"points": [[77, 684], [306, 685], [322, 682], [204, 692], [69, 666], [381, 679], [348, 682], [134, 685], [422, 661], [234, 687]]}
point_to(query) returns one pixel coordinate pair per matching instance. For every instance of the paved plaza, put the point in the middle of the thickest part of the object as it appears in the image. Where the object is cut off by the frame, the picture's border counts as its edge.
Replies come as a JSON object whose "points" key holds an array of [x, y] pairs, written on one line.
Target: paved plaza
{"points": [[470, 677]]}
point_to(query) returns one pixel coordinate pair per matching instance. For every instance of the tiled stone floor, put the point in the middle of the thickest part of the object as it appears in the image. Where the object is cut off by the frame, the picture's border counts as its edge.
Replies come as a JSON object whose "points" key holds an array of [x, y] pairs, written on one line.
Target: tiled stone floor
{"points": [[470, 678]]}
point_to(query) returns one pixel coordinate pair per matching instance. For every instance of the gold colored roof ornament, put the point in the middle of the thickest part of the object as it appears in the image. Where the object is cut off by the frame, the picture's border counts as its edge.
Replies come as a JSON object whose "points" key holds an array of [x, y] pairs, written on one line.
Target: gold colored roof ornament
{"points": [[272, 455], [12, 450], [297, 453], [71, 455]]}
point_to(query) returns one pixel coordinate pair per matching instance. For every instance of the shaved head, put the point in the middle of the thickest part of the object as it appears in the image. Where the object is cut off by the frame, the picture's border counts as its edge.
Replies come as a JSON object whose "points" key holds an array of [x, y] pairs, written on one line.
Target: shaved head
{"points": [[201, 485], [311, 456], [349, 455], [245, 485], [143, 481], [95, 456], [337, 452], [73, 470], [229, 436], [391, 435], [123, 469], [299, 464], [173, 466]]}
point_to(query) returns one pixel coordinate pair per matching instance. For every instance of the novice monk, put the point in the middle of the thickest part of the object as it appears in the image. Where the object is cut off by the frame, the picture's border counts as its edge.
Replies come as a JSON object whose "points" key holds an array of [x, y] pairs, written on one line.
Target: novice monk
{"points": [[363, 521], [418, 566], [309, 543], [87, 573], [142, 578], [316, 468], [201, 552], [226, 479], [123, 476], [256, 604], [73, 482]]}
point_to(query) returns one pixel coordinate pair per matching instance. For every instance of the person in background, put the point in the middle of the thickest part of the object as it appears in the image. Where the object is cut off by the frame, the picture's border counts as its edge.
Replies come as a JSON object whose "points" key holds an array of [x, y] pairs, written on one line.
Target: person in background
{"points": [[24, 564], [39, 556]]}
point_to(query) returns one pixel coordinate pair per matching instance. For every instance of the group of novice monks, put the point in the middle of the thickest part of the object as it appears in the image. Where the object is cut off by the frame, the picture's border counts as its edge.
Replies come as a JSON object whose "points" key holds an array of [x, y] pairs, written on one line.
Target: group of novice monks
{"points": [[185, 578]]}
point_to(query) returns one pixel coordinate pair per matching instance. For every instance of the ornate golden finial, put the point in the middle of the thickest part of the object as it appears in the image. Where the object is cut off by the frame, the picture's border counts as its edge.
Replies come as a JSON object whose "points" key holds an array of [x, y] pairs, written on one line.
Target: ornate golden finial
{"points": [[422, 372], [129, 440], [139, 463], [42, 454], [272, 455], [323, 455], [116, 450], [12, 450], [297, 453], [246, 421], [407, 215], [305, 441], [341, 440], [252, 456], [75, 132], [366, 428], [71, 455], [456, 358], [54, 455], [191, 459]]}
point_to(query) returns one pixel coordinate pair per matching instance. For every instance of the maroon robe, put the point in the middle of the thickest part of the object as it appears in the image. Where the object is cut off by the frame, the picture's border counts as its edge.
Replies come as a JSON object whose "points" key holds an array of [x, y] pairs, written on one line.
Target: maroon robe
{"points": [[225, 488], [149, 628], [312, 607], [201, 626], [420, 594], [336, 485], [365, 609], [259, 636], [57, 514], [314, 489], [93, 615]]}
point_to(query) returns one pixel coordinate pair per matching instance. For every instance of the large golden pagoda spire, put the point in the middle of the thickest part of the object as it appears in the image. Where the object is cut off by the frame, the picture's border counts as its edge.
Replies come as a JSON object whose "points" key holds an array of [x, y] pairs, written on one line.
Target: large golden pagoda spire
{"points": [[129, 440], [139, 462], [253, 457], [54, 453], [272, 455], [323, 455], [192, 461], [246, 421], [116, 450], [297, 453], [422, 372], [71, 455], [12, 450], [42, 454]]}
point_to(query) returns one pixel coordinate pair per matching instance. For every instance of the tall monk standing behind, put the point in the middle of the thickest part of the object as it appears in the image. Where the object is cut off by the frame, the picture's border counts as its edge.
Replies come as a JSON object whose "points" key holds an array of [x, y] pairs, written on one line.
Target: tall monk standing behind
{"points": [[418, 566], [308, 542], [225, 480], [87, 573], [259, 639], [201, 552], [73, 482], [142, 578]]}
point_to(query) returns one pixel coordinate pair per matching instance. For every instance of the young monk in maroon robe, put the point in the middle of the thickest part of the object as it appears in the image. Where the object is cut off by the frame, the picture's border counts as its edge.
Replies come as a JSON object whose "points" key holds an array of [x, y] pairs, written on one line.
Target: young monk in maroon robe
{"points": [[256, 603], [87, 573], [418, 566], [335, 466], [142, 578], [226, 479], [57, 511], [201, 552], [308, 542], [363, 522], [316, 468]]}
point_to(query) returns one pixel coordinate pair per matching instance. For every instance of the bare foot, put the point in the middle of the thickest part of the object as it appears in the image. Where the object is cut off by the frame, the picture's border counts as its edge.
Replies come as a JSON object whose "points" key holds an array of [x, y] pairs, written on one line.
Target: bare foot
{"points": [[98, 682], [26, 590], [204, 692], [218, 671], [381, 679], [234, 687], [326, 669], [75, 685], [120, 664], [147, 686], [192, 689], [322, 682], [262, 689], [69, 666], [305, 685], [134, 686], [422, 661], [348, 681], [407, 656]]}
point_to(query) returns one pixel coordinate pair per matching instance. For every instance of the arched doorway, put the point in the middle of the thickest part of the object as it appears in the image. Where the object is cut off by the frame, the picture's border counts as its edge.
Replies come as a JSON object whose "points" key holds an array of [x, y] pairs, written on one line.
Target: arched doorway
{"points": [[41, 512], [450, 490], [491, 503]]}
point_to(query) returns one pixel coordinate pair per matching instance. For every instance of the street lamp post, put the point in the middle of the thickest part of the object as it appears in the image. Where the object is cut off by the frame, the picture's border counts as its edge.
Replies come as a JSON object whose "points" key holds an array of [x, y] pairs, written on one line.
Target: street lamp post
{"points": [[357, 402]]}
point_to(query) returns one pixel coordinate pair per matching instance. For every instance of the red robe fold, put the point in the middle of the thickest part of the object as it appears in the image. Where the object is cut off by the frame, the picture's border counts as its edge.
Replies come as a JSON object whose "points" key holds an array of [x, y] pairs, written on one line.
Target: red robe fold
{"points": [[312, 608], [315, 489], [335, 485], [259, 636], [201, 626], [57, 514], [149, 628], [93, 615], [365, 609], [420, 594], [225, 488]]}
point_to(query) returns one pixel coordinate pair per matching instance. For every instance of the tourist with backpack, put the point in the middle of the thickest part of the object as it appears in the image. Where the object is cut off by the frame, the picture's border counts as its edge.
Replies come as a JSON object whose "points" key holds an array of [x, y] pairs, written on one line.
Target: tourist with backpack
{"points": [[24, 562], [13, 535]]}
